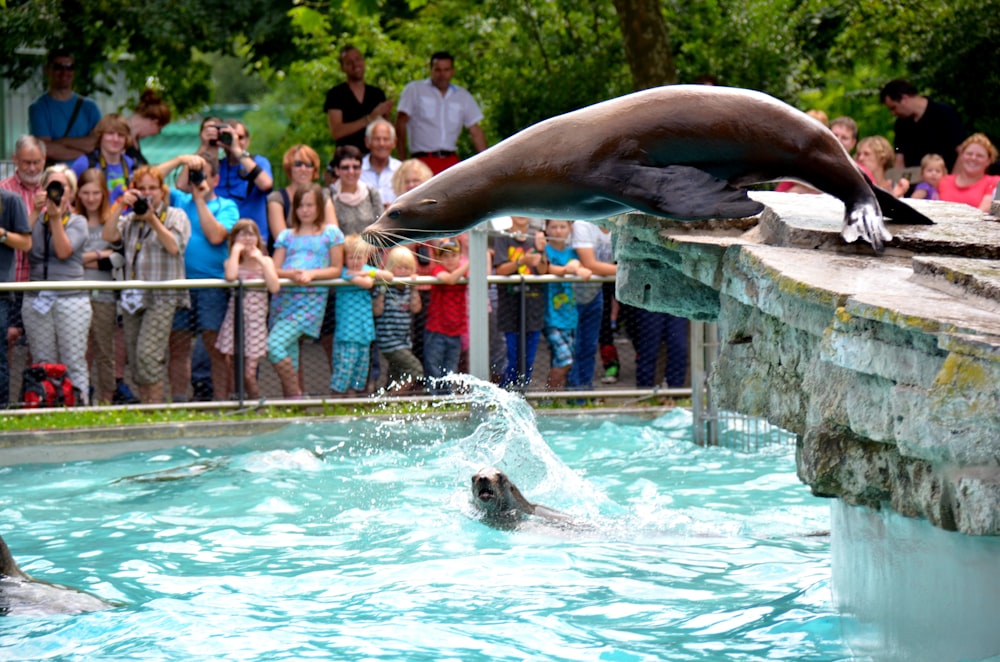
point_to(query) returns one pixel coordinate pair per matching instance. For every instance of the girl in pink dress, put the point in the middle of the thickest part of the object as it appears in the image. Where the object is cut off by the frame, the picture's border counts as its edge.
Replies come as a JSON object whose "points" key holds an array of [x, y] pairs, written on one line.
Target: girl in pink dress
{"points": [[247, 261]]}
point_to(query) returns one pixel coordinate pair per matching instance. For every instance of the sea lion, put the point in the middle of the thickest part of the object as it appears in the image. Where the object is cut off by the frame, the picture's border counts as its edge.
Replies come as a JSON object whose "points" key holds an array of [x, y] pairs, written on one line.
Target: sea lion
{"points": [[503, 506], [20, 595], [681, 151]]}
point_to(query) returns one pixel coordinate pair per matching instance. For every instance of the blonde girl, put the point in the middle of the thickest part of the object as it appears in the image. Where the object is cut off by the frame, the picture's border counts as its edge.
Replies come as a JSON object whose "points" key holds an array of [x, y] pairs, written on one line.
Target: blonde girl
{"points": [[932, 171], [248, 261]]}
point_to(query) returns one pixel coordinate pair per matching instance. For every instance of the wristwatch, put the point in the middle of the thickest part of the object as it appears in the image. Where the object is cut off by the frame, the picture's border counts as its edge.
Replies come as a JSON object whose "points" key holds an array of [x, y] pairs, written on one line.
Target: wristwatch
{"points": [[3, 237], [246, 155]]}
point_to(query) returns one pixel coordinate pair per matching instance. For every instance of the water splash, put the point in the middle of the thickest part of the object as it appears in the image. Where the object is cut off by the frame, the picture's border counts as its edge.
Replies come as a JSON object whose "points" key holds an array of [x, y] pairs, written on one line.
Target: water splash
{"points": [[506, 437]]}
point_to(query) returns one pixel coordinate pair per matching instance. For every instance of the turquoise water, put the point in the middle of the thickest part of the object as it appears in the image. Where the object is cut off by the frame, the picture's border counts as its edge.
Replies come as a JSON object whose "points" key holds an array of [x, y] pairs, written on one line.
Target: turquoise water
{"points": [[356, 541]]}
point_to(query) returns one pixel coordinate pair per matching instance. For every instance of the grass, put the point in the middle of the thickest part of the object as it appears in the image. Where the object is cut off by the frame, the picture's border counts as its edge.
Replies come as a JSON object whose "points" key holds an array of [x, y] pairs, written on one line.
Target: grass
{"points": [[66, 419]]}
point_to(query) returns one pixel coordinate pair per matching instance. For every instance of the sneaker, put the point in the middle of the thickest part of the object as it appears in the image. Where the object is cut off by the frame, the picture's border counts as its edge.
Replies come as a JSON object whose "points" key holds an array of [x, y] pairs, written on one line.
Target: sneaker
{"points": [[610, 375], [202, 390], [123, 395]]}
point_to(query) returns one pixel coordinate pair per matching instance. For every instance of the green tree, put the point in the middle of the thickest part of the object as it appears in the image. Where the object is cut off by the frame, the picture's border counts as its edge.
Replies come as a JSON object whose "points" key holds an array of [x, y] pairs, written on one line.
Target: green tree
{"points": [[152, 42]]}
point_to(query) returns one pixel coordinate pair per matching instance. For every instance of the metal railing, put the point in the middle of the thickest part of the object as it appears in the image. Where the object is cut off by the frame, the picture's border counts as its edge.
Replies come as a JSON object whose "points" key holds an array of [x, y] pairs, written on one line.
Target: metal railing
{"points": [[711, 427]]}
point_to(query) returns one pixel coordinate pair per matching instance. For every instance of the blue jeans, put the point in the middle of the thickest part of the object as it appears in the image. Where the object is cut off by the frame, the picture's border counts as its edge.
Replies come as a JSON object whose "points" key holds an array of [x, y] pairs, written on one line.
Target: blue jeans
{"points": [[441, 355], [511, 377], [588, 329], [651, 329], [6, 303]]}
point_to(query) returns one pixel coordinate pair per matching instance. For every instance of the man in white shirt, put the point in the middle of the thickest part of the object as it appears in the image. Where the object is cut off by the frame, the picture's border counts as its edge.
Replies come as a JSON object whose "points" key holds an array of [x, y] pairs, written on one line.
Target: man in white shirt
{"points": [[379, 165], [432, 113]]}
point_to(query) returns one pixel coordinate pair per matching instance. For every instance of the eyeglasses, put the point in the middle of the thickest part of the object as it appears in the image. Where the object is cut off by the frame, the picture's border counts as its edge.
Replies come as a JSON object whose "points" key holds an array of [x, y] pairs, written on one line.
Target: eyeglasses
{"points": [[302, 164], [62, 67], [356, 166]]}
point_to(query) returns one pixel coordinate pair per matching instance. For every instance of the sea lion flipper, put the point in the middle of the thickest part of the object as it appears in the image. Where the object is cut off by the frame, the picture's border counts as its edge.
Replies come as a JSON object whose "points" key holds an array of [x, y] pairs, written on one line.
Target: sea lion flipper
{"points": [[685, 193], [897, 211]]}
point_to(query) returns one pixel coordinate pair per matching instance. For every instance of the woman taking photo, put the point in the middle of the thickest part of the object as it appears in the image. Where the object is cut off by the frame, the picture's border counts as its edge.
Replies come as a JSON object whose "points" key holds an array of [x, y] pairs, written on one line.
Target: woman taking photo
{"points": [[969, 182], [154, 236], [57, 322]]}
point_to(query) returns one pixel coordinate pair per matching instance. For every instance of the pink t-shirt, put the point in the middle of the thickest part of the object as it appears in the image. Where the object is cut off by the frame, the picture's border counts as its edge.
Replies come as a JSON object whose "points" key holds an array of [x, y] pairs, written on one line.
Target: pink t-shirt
{"points": [[970, 195]]}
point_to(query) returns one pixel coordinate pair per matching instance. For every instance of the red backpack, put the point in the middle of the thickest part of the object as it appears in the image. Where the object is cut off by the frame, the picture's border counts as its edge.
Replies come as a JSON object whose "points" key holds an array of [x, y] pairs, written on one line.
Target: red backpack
{"points": [[47, 385]]}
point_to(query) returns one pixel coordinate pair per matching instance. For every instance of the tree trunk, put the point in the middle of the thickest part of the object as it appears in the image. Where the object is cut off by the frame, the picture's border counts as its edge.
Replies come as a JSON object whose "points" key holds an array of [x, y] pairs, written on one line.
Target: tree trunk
{"points": [[647, 43]]}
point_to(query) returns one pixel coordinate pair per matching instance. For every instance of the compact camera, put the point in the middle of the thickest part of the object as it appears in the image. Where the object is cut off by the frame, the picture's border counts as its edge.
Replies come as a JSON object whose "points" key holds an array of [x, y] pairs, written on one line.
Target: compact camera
{"points": [[55, 191], [141, 206], [196, 177], [224, 138]]}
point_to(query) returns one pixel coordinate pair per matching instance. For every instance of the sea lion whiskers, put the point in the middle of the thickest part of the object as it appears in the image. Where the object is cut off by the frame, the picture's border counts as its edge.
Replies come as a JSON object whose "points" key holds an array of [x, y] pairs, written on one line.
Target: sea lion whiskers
{"points": [[386, 240]]}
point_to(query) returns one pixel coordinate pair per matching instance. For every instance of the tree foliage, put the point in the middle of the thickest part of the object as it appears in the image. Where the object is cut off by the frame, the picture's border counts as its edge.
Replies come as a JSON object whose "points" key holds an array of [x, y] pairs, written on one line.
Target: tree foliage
{"points": [[524, 60], [152, 42]]}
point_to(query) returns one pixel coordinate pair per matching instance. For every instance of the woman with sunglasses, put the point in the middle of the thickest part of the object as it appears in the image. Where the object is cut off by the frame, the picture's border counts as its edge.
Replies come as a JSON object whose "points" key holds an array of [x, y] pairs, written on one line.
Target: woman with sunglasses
{"points": [[356, 203], [301, 166]]}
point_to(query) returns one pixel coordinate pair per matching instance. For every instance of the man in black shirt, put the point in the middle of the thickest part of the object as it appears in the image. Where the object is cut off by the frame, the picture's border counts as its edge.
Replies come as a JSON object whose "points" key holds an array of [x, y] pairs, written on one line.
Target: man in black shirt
{"points": [[353, 104], [923, 126]]}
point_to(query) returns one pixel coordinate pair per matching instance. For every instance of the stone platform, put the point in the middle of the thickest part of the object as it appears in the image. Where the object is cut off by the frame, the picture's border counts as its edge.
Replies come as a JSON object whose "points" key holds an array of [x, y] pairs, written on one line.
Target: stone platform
{"points": [[887, 367]]}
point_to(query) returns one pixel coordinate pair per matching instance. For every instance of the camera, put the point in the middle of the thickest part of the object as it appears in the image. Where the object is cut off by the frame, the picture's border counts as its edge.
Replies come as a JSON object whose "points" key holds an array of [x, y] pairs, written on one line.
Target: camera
{"points": [[55, 191], [224, 138], [141, 206], [196, 177]]}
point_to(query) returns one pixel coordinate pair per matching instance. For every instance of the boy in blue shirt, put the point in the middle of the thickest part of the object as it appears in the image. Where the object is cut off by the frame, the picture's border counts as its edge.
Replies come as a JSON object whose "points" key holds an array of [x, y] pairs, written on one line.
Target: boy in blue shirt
{"points": [[560, 301]]}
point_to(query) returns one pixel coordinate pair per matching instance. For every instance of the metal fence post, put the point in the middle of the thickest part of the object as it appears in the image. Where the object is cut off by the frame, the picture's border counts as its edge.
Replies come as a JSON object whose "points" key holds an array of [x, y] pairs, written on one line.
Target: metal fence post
{"points": [[239, 343], [479, 327]]}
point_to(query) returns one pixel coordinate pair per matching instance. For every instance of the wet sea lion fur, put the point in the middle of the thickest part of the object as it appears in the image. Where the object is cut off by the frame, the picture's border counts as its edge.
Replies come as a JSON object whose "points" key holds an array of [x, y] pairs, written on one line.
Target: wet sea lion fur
{"points": [[503, 506], [683, 152]]}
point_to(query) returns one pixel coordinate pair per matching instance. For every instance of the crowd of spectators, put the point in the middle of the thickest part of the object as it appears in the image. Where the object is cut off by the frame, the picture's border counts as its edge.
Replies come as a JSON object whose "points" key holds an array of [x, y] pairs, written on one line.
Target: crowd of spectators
{"points": [[84, 204]]}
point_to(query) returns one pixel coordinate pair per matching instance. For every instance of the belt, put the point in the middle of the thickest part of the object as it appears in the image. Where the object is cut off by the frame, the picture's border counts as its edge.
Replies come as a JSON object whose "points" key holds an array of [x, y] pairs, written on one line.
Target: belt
{"points": [[439, 154]]}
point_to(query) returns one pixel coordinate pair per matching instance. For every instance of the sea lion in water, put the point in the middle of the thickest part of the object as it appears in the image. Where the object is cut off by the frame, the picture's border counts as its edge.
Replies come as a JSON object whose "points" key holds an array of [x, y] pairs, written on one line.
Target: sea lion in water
{"points": [[20, 595], [681, 151], [503, 506]]}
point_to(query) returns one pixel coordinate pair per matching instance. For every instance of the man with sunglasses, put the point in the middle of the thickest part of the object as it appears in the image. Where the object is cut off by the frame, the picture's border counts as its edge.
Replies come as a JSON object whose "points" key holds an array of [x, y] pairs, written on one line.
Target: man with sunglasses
{"points": [[61, 118], [244, 178]]}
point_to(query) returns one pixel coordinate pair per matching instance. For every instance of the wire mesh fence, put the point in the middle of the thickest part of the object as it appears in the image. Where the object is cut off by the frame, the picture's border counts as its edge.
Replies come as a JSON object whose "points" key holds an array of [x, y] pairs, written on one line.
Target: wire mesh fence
{"points": [[125, 342], [130, 342]]}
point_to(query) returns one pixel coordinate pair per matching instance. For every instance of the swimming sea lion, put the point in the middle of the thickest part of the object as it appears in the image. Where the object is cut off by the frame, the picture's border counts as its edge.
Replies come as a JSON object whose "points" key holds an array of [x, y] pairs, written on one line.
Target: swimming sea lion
{"points": [[20, 595], [502, 504], [681, 151]]}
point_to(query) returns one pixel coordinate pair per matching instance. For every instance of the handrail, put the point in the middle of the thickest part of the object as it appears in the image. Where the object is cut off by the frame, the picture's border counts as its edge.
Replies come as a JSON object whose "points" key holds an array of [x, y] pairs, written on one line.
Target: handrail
{"points": [[206, 283]]}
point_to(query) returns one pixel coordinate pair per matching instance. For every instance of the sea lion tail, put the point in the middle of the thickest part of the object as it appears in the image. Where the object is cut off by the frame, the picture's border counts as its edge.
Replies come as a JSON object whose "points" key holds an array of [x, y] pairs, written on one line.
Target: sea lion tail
{"points": [[898, 211]]}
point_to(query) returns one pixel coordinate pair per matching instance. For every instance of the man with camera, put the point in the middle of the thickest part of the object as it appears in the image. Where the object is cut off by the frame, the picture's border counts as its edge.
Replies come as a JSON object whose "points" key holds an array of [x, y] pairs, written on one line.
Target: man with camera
{"points": [[211, 217], [15, 235], [244, 178], [26, 182]]}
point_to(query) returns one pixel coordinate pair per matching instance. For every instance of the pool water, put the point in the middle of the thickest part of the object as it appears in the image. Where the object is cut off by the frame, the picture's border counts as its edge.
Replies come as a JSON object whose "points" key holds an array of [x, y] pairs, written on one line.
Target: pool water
{"points": [[356, 540]]}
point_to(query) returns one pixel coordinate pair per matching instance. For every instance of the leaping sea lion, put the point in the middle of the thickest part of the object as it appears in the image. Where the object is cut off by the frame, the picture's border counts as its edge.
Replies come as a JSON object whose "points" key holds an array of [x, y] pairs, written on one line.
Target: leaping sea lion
{"points": [[503, 506], [683, 152], [20, 595]]}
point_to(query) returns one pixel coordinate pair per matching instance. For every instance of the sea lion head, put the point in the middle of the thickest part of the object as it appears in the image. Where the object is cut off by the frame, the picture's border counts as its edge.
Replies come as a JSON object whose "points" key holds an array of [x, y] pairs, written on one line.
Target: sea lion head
{"points": [[493, 493], [449, 203], [414, 217], [8, 567]]}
